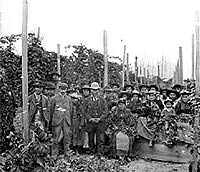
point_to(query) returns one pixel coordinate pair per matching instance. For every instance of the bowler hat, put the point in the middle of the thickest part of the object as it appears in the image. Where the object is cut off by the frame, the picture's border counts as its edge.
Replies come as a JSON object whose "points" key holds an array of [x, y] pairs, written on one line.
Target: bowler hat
{"points": [[143, 86], [121, 100], [62, 85], [153, 86], [173, 91], [50, 86], [115, 84], [185, 92], [136, 92], [38, 84], [177, 86]]}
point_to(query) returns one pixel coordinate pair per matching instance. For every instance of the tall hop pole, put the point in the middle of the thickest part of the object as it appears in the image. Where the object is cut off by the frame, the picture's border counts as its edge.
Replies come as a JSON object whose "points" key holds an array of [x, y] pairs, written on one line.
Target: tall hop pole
{"points": [[25, 70], [105, 47], [123, 72]]}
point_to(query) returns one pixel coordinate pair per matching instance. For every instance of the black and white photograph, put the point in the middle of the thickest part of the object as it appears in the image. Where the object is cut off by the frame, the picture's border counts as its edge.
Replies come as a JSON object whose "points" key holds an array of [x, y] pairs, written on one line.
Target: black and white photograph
{"points": [[99, 85]]}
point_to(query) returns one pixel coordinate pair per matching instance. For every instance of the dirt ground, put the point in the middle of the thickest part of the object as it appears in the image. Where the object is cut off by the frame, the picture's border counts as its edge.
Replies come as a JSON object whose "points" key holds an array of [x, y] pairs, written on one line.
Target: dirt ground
{"points": [[155, 166]]}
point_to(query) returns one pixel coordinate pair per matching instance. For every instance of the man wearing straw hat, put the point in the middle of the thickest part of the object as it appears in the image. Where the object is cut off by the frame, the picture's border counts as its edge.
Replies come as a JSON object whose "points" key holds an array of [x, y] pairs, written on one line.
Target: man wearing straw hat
{"points": [[95, 111]]}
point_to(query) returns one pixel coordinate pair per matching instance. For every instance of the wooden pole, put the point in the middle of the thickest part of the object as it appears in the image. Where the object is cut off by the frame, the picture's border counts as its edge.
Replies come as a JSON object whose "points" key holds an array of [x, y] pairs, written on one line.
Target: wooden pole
{"points": [[38, 34], [196, 124], [162, 68], [193, 56], [127, 68], [144, 75], [0, 23], [105, 48], [197, 55], [25, 70], [181, 66], [148, 79], [141, 75], [58, 59], [136, 69], [178, 71], [123, 65]]}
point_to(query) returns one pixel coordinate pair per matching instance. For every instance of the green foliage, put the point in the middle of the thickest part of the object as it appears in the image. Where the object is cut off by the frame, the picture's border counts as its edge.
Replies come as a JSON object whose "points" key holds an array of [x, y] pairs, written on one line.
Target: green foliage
{"points": [[40, 63], [85, 65]]}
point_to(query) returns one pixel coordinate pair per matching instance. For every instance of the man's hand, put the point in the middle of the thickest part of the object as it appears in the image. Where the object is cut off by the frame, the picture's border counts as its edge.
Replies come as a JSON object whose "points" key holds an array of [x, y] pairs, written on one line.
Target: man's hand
{"points": [[97, 120], [92, 119]]}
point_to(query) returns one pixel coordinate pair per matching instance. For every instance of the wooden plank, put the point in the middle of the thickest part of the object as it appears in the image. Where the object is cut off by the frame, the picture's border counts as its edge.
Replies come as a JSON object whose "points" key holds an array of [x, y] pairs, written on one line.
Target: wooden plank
{"points": [[178, 153], [25, 69], [105, 48]]}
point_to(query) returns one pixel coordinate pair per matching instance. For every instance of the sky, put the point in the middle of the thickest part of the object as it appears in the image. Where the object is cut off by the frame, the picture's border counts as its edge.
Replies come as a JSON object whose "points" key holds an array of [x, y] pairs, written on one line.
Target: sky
{"points": [[150, 29]]}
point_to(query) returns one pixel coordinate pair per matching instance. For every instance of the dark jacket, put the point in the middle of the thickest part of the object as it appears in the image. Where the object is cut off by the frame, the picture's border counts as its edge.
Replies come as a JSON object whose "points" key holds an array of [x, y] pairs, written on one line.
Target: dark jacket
{"points": [[95, 108]]}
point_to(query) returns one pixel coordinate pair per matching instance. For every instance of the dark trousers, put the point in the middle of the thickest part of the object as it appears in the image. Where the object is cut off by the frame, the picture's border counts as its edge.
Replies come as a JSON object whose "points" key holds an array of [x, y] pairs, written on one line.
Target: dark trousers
{"points": [[98, 130]]}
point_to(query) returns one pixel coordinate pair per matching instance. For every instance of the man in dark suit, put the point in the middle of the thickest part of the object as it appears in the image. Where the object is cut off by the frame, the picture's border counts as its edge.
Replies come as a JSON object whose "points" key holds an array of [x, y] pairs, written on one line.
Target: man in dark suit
{"points": [[61, 114], [38, 109], [95, 111]]}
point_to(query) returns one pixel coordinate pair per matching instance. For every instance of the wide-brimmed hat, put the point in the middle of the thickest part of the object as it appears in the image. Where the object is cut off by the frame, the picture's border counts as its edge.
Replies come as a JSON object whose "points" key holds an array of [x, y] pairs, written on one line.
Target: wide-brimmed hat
{"points": [[123, 93], [185, 92], [173, 91], [153, 86], [75, 96], [168, 100], [177, 86], [121, 100], [107, 88], [135, 92], [50, 86], [62, 85], [152, 92], [128, 85], [95, 86], [115, 84], [85, 87], [143, 86], [38, 84], [163, 89]]}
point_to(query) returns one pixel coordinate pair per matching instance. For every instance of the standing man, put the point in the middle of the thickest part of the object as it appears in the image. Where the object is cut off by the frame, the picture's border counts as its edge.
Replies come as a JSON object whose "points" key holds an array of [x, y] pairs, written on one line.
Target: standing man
{"points": [[60, 113], [37, 109], [96, 111]]}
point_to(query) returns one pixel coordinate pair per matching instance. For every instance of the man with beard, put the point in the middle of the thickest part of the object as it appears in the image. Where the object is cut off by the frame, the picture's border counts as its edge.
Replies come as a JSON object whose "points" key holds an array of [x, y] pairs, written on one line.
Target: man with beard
{"points": [[7, 111], [96, 111], [61, 114], [38, 110]]}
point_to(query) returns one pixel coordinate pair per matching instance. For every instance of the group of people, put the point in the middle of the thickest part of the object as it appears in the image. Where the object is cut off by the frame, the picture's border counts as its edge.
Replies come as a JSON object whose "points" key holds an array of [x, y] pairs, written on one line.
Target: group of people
{"points": [[92, 117]]}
